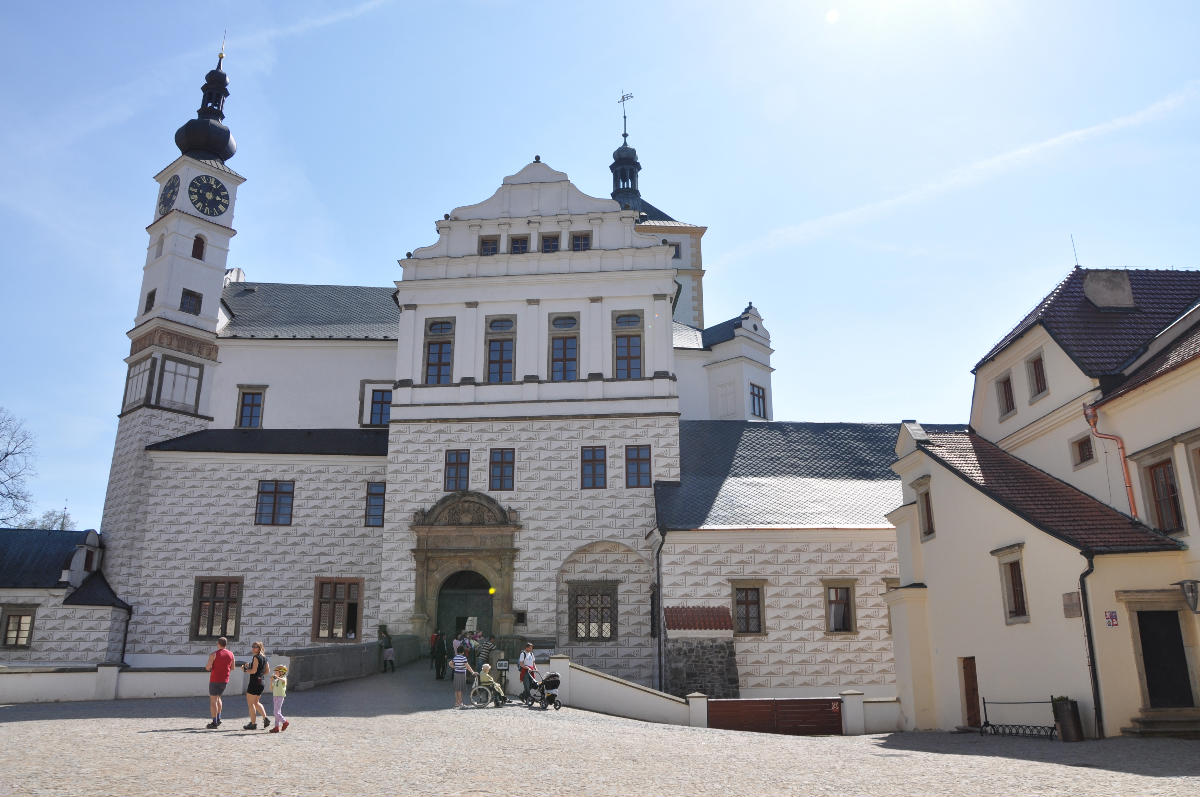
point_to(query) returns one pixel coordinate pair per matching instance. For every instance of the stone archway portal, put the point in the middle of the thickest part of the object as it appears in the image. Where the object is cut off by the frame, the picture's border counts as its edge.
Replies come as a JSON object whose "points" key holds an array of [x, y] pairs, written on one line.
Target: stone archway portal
{"points": [[464, 595]]}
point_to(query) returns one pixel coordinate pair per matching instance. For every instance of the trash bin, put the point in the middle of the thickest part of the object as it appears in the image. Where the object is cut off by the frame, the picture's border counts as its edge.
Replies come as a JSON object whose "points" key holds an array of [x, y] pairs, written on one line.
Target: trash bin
{"points": [[1066, 719]]}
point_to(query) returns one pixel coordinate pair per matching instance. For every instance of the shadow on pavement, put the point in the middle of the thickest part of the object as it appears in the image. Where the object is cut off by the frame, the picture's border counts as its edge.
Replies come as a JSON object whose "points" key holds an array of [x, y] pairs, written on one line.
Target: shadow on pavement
{"points": [[1156, 758]]}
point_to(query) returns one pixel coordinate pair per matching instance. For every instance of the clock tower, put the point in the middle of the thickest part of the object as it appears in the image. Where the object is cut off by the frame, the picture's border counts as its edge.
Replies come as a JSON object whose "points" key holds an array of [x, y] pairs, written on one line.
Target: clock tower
{"points": [[173, 342]]}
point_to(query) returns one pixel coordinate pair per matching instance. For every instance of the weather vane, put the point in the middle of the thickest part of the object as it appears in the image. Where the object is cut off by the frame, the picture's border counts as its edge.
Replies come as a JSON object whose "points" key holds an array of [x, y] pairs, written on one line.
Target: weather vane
{"points": [[221, 55], [624, 119]]}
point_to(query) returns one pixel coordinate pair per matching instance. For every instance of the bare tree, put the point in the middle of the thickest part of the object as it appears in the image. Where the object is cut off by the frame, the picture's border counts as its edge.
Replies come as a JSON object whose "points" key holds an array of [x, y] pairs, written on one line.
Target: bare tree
{"points": [[58, 519], [16, 464]]}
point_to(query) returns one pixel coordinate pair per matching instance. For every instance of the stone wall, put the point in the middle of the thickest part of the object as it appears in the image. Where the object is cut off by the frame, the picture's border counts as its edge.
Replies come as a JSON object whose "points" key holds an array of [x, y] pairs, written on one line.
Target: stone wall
{"points": [[708, 666], [65, 634], [313, 666]]}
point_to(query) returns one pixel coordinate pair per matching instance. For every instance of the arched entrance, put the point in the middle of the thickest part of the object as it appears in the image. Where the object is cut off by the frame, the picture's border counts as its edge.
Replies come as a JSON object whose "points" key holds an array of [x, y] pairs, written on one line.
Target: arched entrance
{"points": [[464, 595]]}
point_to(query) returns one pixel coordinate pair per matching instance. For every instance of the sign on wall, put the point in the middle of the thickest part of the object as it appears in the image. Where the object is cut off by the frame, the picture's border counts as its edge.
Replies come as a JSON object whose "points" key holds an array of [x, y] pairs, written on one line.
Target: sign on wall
{"points": [[1110, 618]]}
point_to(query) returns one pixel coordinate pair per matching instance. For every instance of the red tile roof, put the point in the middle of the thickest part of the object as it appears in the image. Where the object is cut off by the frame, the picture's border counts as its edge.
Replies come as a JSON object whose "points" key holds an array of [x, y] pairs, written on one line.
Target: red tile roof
{"points": [[1047, 503], [698, 618], [1182, 351]]}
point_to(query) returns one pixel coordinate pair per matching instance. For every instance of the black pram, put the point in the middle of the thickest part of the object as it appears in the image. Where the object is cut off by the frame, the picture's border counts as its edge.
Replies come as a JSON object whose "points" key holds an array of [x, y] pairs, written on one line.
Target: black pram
{"points": [[544, 692]]}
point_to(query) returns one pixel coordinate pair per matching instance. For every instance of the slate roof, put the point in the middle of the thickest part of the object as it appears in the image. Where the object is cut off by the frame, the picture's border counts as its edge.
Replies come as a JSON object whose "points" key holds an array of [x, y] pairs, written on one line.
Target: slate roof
{"points": [[1047, 503], [1103, 342], [321, 312], [668, 222], [1181, 351], [745, 474], [686, 337], [95, 591], [698, 618], [327, 442], [35, 558], [653, 213]]}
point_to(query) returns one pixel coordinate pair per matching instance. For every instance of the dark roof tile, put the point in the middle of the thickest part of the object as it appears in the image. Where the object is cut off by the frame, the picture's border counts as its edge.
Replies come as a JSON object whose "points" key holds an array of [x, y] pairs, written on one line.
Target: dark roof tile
{"points": [[1179, 352], [326, 442], [281, 310], [95, 591], [35, 558]]}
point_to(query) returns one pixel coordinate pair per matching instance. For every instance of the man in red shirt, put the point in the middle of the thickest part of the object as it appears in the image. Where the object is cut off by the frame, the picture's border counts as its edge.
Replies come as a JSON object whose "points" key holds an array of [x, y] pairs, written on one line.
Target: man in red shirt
{"points": [[220, 663]]}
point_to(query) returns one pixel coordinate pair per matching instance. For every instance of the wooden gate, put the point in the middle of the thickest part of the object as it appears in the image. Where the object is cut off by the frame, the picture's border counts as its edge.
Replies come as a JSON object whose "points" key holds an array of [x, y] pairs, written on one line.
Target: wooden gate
{"points": [[809, 716]]}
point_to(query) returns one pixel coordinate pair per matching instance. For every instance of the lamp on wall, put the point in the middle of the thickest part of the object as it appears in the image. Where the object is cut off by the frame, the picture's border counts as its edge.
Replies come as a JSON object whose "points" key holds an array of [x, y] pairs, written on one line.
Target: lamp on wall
{"points": [[1190, 588]]}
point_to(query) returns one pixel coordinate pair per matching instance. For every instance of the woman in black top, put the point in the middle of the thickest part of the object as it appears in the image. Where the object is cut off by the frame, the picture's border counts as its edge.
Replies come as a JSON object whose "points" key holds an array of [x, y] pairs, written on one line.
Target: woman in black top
{"points": [[257, 668]]}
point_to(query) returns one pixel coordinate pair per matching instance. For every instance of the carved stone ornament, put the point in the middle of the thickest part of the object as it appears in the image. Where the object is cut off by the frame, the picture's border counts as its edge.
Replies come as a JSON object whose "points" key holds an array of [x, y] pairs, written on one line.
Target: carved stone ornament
{"points": [[175, 341], [463, 509]]}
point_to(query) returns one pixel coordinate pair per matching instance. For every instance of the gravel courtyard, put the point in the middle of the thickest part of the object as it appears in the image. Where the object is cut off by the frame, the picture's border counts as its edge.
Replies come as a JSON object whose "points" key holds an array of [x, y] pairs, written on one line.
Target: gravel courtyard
{"points": [[396, 734]]}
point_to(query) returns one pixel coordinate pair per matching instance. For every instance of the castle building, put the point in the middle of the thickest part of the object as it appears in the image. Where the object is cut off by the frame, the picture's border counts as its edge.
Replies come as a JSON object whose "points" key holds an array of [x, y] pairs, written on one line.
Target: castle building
{"points": [[512, 436]]}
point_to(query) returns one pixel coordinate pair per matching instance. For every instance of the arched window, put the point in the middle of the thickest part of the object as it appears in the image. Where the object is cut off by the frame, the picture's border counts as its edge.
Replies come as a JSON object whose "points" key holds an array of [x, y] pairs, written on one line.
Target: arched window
{"points": [[198, 247], [158, 247]]}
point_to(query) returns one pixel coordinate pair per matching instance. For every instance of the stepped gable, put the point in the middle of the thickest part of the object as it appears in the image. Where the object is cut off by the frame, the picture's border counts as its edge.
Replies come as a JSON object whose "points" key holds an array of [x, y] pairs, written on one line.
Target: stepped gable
{"points": [[1104, 341], [1055, 507]]}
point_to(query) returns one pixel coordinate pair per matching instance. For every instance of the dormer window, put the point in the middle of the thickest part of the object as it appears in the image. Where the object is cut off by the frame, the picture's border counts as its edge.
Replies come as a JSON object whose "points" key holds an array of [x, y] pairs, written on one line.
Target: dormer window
{"points": [[198, 247], [924, 507], [1036, 366], [1005, 397]]}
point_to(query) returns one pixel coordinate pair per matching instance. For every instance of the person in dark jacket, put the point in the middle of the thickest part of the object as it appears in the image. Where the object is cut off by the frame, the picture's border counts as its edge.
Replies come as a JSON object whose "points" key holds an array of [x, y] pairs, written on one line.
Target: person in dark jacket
{"points": [[440, 654]]}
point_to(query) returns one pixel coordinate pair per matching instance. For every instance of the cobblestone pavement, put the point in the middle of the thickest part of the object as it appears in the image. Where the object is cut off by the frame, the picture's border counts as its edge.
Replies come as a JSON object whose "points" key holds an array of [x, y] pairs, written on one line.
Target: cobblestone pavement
{"points": [[396, 734]]}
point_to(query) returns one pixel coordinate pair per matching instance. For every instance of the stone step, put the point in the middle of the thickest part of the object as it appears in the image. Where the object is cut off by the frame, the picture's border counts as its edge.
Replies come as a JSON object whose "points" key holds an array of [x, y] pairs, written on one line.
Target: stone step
{"points": [[1180, 731]]}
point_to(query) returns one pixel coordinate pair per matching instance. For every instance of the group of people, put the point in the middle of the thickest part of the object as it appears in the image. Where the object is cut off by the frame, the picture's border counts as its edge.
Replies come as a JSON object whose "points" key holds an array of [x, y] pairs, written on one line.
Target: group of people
{"points": [[220, 666], [475, 646]]}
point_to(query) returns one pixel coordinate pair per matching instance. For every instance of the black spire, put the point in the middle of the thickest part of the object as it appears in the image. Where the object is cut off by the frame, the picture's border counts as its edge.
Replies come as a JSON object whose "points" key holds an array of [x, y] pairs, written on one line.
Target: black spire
{"points": [[205, 137], [625, 166]]}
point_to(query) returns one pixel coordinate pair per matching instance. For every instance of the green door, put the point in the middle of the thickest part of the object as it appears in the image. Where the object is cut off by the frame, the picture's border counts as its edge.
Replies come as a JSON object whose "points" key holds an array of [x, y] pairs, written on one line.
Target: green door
{"points": [[464, 594]]}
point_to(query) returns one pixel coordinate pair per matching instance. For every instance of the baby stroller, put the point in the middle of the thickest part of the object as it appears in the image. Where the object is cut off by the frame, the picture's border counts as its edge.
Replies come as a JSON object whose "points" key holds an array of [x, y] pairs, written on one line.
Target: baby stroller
{"points": [[544, 692]]}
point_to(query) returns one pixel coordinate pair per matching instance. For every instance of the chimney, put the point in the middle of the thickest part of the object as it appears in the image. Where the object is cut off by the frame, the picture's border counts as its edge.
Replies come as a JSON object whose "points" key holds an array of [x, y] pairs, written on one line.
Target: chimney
{"points": [[1108, 289]]}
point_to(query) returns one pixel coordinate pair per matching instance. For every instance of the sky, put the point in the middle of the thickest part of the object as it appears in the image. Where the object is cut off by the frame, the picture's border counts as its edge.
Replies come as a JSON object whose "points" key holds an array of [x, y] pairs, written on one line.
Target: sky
{"points": [[892, 184]]}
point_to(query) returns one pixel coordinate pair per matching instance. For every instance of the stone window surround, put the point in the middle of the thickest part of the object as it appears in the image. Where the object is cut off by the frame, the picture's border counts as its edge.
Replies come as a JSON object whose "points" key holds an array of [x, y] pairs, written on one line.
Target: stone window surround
{"points": [[841, 583], [1005, 555], [602, 475], [759, 584], [365, 390], [1002, 395], [316, 614], [562, 333], [381, 505], [275, 493], [484, 240], [162, 374], [1155, 455], [430, 337], [603, 587], [550, 236], [488, 337], [13, 610], [926, 526], [578, 234], [1073, 445], [638, 330], [1031, 380], [262, 409], [1143, 600], [890, 583], [193, 627]]}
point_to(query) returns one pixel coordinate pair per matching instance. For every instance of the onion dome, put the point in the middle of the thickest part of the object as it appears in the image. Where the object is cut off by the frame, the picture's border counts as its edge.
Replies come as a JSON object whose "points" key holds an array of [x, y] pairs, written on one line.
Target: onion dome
{"points": [[205, 137]]}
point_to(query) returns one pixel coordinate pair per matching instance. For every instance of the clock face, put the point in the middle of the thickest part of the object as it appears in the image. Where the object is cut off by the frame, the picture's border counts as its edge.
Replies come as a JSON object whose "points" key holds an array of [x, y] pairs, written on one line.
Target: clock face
{"points": [[208, 195], [170, 190]]}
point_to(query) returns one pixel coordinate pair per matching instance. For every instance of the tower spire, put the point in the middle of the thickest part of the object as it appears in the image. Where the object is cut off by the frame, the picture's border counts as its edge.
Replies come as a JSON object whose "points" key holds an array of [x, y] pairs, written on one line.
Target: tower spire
{"points": [[205, 137], [624, 119], [625, 166]]}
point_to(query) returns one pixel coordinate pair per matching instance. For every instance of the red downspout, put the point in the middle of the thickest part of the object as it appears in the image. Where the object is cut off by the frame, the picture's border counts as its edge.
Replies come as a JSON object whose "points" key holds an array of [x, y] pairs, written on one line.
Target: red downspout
{"points": [[1089, 413]]}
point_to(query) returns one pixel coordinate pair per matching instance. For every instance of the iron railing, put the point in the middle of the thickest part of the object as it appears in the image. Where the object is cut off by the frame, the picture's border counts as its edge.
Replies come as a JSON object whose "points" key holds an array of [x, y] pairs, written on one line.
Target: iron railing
{"points": [[1016, 729]]}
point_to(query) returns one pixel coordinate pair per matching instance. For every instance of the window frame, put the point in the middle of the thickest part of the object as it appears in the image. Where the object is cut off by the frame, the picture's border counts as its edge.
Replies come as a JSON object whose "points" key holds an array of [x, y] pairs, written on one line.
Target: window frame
{"points": [[243, 392], [199, 243], [601, 589], [150, 296], [194, 634], [1171, 499], [487, 242], [147, 391], [556, 237], [583, 237], [758, 401], [1014, 595], [512, 244], [1005, 396], [334, 581], [379, 504], [384, 407], [760, 585], [555, 334], [601, 461], [465, 472], [275, 513], [186, 294], [631, 457], [501, 337], [926, 522], [850, 585], [8, 611], [628, 332], [1035, 365], [511, 465], [162, 378], [439, 339], [1076, 461]]}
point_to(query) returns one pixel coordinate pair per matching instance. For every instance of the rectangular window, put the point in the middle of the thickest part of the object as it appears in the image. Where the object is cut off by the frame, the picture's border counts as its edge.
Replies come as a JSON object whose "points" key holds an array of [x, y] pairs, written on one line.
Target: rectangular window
{"points": [[376, 497], [1082, 451], [593, 468], [637, 466], [747, 610], [1004, 394], [1164, 495], [518, 244], [439, 351], [925, 510], [489, 245], [676, 254], [593, 610], [138, 382], [758, 401], [629, 356], [274, 503], [501, 463], [581, 241], [550, 242], [216, 608], [150, 301], [458, 466], [18, 625], [190, 302], [1012, 583], [839, 608], [337, 609], [179, 388], [250, 407], [1016, 590], [1037, 376], [381, 407], [564, 359], [500, 360]]}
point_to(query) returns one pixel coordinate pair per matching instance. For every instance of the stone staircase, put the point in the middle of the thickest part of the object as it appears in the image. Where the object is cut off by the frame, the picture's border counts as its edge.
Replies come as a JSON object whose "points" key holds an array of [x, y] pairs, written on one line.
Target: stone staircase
{"points": [[1179, 723]]}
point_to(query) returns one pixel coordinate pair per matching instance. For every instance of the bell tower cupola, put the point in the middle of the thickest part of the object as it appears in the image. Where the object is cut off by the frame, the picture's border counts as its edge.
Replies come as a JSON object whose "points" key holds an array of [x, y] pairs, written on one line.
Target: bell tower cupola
{"points": [[206, 137], [625, 167]]}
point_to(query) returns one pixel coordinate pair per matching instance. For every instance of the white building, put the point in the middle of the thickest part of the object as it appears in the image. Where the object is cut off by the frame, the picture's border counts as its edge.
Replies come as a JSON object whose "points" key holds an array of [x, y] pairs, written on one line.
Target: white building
{"points": [[1047, 549]]}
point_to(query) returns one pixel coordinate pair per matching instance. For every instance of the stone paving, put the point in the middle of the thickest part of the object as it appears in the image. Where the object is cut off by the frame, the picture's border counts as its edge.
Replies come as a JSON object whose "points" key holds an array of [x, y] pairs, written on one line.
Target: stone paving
{"points": [[396, 734]]}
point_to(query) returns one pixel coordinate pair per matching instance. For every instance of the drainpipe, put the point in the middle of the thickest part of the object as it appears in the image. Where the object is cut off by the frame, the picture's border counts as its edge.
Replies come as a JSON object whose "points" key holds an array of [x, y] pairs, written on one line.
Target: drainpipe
{"points": [[659, 620], [1089, 412], [1093, 672], [125, 636]]}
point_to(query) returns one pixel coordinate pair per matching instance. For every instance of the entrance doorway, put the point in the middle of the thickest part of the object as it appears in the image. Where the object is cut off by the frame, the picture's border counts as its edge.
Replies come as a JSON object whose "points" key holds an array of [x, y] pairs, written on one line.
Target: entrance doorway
{"points": [[463, 595], [970, 682], [1164, 662]]}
